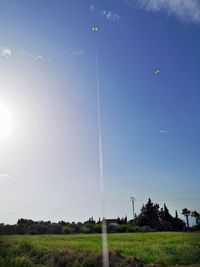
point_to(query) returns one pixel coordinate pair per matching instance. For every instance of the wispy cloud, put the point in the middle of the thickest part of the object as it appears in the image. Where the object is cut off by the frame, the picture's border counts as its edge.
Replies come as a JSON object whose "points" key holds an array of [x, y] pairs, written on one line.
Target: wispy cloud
{"points": [[92, 8], [166, 131], [23, 52], [6, 52], [74, 52], [186, 10], [110, 15], [4, 176], [163, 131], [78, 52], [38, 57]]}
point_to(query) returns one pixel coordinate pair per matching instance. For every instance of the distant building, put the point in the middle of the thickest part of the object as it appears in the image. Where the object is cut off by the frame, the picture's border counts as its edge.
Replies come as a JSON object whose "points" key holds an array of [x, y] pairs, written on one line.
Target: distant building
{"points": [[112, 222]]}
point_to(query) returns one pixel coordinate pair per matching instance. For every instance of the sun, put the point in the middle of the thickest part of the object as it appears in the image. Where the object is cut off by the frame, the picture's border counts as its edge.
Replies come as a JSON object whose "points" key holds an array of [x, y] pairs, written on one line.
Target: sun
{"points": [[6, 121]]}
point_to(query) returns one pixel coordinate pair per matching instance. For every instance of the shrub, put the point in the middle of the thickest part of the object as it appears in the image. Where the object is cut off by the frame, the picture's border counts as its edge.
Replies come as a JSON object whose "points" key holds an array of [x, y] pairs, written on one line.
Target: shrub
{"points": [[67, 230], [85, 230], [33, 232], [147, 229], [134, 229], [122, 228], [97, 228]]}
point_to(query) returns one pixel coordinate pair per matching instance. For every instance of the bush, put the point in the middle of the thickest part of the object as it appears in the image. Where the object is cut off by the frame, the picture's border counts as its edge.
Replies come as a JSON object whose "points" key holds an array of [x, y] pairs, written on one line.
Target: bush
{"points": [[55, 229], [123, 228], [134, 229], [97, 228], [196, 227], [85, 230], [75, 229], [147, 229], [33, 232], [67, 230], [111, 228]]}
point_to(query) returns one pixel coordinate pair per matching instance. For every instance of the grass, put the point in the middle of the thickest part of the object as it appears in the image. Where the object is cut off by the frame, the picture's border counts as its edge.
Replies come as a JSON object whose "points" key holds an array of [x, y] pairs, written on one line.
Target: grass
{"points": [[169, 248]]}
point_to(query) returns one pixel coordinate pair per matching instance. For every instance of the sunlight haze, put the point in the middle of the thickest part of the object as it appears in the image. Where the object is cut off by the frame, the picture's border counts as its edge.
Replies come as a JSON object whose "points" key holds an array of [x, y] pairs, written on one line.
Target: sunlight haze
{"points": [[149, 93]]}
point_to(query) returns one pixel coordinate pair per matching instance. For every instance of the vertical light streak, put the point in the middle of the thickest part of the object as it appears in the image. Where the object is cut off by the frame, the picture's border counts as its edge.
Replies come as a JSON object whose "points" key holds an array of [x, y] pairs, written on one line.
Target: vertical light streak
{"points": [[101, 159]]}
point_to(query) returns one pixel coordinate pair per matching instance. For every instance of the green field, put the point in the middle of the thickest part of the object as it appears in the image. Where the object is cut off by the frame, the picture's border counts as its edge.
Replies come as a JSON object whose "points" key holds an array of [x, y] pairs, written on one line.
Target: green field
{"points": [[169, 248]]}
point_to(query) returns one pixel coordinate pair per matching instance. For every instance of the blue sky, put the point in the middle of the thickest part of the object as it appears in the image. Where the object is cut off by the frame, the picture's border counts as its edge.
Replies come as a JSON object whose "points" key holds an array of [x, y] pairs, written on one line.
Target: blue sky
{"points": [[150, 123]]}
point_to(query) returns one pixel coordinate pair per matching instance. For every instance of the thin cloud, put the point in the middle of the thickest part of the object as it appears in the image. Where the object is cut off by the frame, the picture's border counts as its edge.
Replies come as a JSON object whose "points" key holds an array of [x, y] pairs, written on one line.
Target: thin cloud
{"points": [[23, 52], [185, 10], [4, 176], [26, 53], [39, 57], [166, 131], [163, 131], [74, 52], [78, 52], [92, 8], [6, 52], [110, 15]]}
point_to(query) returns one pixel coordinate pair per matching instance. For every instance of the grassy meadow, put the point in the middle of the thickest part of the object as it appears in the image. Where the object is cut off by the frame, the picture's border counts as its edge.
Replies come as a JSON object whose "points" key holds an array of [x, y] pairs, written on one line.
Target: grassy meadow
{"points": [[169, 248]]}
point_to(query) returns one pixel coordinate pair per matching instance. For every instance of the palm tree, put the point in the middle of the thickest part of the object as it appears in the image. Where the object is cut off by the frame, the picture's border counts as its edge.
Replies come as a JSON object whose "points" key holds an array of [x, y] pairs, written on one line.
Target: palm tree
{"points": [[186, 213], [196, 215]]}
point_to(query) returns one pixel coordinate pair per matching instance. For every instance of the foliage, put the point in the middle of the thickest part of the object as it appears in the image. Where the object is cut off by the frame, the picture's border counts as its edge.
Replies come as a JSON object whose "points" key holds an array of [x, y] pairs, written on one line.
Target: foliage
{"points": [[158, 219], [149, 215], [186, 213], [196, 215]]}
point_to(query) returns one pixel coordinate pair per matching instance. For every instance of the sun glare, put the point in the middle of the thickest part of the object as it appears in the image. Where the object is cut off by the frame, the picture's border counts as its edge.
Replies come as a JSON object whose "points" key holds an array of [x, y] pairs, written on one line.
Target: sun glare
{"points": [[6, 121]]}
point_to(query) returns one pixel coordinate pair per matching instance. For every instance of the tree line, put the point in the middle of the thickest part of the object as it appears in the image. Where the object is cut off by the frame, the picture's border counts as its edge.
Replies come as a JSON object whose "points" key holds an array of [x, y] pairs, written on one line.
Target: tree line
{"points": [[150, 218], [160, 218]]}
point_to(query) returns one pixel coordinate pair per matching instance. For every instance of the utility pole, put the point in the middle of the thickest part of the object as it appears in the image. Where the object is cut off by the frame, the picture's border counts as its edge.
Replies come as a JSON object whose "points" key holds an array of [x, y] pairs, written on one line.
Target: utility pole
{"points": [[132, 200]]}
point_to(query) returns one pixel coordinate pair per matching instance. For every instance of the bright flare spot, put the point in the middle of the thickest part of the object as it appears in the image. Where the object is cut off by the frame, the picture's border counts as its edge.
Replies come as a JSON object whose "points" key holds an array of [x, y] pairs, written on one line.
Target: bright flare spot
{"points": [[157, 71], [95, 29], [6, 121]]}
